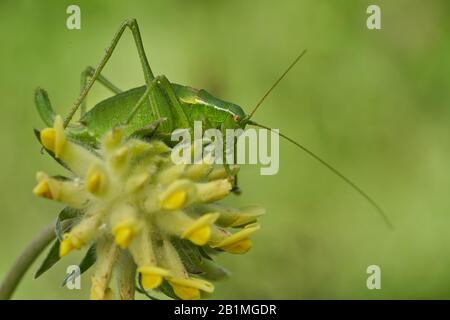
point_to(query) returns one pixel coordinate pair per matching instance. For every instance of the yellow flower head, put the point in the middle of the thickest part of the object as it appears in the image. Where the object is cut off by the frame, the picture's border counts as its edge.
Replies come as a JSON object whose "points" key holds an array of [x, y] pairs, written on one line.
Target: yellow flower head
{"points": [[143, 213]]}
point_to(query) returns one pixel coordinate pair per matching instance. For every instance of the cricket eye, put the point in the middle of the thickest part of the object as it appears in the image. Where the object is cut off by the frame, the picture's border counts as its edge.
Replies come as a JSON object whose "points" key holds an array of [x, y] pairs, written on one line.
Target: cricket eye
{"points": [[237, 118]]}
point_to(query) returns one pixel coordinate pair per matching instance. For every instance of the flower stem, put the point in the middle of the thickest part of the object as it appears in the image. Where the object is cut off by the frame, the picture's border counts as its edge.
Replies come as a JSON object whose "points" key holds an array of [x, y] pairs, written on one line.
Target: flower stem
{"points": [[24, 261]]}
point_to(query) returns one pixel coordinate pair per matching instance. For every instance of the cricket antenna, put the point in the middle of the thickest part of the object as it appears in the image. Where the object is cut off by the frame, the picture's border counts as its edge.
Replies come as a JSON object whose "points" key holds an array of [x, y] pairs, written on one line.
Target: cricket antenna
{"points": [[335, 171], [276, 83]]}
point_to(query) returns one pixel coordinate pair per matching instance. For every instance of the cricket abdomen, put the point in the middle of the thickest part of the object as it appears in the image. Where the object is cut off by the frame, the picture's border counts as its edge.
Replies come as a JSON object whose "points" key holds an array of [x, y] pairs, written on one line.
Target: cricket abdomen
{"points": [[115, 110]]}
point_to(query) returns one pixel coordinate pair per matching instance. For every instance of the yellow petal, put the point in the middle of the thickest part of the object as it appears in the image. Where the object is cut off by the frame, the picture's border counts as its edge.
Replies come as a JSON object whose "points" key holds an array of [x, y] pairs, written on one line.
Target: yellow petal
{"points": [[189, 288], [185, 293], [201, 236], [237, 237], [239, 247], [65, 247], [151, 281], [60, 137], [151, 277], [48, 138], [174, 201], [199, 232], [43, 190], [194, 283], [94, 181], [123, 236]]}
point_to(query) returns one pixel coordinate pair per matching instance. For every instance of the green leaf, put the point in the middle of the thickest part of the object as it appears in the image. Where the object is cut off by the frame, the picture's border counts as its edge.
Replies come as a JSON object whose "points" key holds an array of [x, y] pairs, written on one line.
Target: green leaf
{"points": [[51, 258], [88, 261], [67, 213], [44, 107]]}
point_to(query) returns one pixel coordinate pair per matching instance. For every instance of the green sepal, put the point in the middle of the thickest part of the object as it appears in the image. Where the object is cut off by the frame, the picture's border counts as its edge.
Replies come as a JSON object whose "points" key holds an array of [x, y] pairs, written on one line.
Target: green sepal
{"points": [[88, 261]]}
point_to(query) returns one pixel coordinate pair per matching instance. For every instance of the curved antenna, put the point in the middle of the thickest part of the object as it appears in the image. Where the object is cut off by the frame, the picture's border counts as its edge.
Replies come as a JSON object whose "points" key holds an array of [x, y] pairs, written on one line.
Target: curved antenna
{"points": [[276, 83], [336, 172]]}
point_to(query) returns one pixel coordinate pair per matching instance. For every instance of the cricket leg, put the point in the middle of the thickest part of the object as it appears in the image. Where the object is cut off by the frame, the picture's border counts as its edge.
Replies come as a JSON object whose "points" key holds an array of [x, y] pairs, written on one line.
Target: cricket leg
{"points": [[85, 76], [235, 189], [179, 116], [165, 107], [163, 104], [148, 74], [149, 96]]}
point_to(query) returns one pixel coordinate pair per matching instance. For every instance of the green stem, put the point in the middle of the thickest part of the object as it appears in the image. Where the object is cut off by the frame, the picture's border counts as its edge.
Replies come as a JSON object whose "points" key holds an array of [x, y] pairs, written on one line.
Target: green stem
{"points": [[25, 260]]}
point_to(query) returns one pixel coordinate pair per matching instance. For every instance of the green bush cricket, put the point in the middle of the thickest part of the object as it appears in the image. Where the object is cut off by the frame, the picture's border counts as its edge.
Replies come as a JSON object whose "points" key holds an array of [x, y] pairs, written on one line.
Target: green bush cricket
{"points": [[159, 107]]}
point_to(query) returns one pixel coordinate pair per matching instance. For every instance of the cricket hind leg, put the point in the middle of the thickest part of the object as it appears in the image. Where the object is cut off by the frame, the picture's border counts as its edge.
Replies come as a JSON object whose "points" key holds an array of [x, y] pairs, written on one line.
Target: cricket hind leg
{"points": [[162, 103], [87, 74], [149, 131], [148, 74]]}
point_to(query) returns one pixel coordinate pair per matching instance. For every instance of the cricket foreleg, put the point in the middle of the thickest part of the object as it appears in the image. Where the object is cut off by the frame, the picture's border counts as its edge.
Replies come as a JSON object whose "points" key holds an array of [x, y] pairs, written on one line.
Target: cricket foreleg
{"points": [[85, 76], [148, 74]]}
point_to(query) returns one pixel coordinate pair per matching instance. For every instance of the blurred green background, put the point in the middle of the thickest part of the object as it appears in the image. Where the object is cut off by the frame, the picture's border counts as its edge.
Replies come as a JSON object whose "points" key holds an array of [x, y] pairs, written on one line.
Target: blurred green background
{"points": [[374, 103]]}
